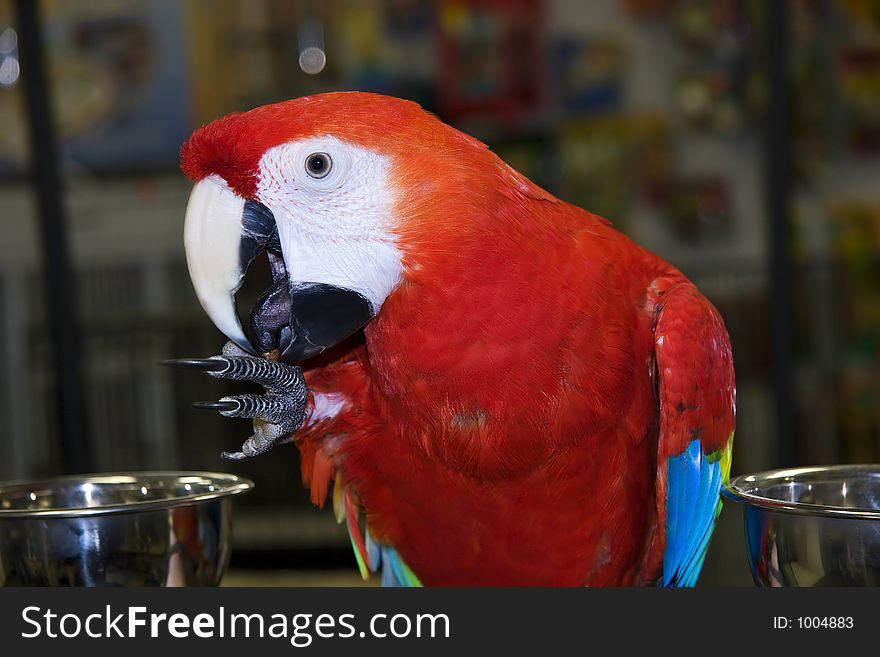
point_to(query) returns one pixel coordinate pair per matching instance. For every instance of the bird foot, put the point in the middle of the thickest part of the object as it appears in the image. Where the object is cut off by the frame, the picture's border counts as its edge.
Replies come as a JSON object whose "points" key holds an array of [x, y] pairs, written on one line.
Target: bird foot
{"points": [[276, 415]]}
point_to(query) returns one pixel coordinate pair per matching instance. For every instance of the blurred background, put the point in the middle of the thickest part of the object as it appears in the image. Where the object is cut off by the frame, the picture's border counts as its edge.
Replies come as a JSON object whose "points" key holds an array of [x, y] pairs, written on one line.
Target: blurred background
{"points": [[740, 140]]}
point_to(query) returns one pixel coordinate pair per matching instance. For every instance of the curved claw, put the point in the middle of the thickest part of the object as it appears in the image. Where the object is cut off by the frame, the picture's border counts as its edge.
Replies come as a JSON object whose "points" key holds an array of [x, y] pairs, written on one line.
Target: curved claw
{"points": [[217, 405], [204, 364]]}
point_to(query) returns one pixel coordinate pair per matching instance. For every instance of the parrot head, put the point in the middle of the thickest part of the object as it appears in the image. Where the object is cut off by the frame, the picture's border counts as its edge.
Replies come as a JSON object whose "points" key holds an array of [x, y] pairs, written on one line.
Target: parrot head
{"points": [[327, 186]]}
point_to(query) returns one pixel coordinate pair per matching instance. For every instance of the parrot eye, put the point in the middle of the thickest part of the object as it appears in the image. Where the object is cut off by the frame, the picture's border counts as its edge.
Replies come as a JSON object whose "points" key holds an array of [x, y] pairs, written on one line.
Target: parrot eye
{"points": [[318, 165]]}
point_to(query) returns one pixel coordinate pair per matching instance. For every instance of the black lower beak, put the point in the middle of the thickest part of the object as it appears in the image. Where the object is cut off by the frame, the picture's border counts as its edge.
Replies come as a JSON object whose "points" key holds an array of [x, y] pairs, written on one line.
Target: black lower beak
{"points": [[301, 320], [321, 316]]}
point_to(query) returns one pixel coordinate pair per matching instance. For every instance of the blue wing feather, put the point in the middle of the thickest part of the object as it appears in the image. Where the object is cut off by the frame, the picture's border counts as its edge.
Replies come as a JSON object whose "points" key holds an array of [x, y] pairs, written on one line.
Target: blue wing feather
{"points": [[693, 485], [673, 506], [703, 511], [394, 571]]}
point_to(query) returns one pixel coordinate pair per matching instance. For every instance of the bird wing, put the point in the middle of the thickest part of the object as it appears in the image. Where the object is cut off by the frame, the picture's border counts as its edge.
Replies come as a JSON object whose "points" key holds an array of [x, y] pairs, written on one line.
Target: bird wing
{"points": [[697, 399]]}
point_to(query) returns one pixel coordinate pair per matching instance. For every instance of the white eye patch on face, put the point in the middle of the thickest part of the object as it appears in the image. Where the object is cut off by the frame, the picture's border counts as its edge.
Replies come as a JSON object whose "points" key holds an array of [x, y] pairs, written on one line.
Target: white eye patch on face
{"points": [[334, 208]]}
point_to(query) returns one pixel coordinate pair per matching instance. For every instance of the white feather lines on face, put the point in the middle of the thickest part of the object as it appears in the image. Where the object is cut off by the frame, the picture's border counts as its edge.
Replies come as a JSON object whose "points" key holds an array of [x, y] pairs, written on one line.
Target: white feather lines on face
{"points": [[335, 229]]}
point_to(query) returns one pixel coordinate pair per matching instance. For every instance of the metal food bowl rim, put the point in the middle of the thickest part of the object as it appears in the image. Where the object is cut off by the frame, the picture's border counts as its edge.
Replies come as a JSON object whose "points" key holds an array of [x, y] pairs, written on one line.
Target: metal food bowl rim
{"points": [[737, 490], [229, 484]]}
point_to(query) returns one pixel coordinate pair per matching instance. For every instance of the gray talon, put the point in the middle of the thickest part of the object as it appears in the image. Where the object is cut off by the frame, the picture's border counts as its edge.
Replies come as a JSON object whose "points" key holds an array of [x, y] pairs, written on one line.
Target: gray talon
{"points": [[221, 405], [209, 365]]}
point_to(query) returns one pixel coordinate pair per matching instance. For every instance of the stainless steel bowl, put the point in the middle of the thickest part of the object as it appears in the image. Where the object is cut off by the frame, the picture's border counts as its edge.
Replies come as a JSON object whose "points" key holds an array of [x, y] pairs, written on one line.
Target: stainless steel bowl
{"points": [[812, 526], [125, 529]]}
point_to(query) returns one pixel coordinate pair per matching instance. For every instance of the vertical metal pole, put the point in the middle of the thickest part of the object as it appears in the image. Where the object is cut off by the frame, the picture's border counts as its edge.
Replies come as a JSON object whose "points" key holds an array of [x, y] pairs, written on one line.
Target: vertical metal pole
{"points": [[778, 193], [59, 280]]}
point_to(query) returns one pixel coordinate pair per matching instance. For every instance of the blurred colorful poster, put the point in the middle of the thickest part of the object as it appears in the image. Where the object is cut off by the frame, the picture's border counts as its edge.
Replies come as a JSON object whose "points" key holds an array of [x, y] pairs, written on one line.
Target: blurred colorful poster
{"points": [[119, 86], [491, 57]]}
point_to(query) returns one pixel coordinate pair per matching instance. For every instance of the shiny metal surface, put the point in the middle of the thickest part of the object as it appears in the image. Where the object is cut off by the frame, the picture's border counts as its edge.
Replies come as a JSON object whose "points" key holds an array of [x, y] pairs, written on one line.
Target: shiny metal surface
{"points": [[812, 526], [126, 529]]}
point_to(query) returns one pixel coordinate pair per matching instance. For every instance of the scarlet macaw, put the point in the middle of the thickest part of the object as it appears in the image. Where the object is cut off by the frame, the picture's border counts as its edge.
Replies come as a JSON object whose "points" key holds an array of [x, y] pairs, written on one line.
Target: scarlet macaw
{"points": [[505, 389]]}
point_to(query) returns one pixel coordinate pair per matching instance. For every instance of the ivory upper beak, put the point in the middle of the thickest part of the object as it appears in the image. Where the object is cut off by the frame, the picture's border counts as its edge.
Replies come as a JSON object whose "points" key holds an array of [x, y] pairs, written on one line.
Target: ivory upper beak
{"points": [[212, 237]]}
